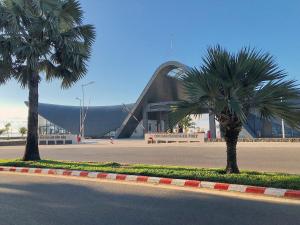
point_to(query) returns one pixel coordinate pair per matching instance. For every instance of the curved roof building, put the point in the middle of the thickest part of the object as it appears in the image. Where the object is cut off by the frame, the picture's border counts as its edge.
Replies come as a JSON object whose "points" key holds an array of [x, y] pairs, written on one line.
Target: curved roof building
{"points": [[100, 120], [149, 113], [163, 88]]}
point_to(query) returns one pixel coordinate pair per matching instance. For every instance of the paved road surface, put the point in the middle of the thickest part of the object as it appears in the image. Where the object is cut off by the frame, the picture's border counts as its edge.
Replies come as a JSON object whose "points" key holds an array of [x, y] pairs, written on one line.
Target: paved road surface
{"points": [[35, 200], [281, 157]]}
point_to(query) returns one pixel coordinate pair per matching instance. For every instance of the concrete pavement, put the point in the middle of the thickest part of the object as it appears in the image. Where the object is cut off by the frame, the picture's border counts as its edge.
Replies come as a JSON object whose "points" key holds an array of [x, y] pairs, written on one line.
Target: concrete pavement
{"points": [[278, 157], [35, 200]]}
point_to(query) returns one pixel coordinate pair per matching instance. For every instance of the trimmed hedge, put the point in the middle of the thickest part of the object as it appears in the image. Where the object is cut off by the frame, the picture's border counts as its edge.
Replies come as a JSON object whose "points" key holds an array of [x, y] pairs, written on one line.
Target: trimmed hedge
{"points": [[276, 180]]}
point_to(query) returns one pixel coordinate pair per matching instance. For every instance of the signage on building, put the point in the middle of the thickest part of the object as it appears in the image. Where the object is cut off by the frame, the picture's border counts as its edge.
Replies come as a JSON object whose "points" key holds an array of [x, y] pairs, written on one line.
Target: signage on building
{"points": [[56, 139], [174, 137]]}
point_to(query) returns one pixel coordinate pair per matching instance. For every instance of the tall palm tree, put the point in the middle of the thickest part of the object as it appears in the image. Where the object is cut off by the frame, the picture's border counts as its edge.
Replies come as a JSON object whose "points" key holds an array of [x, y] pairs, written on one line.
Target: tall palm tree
{"points": [[230, 86], [42, 38]]}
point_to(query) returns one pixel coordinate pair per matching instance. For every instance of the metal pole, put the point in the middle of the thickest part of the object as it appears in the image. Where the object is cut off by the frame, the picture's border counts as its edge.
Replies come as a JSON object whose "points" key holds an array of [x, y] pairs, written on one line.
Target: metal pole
{"points": [[86, 110], [80, 117], [282, 126], [82, 113]]}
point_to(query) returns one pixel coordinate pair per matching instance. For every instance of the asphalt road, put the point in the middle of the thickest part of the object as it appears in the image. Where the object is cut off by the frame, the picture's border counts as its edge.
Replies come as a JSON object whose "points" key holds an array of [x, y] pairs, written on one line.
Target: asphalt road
{"points": [[277, 157], [36, 200]]}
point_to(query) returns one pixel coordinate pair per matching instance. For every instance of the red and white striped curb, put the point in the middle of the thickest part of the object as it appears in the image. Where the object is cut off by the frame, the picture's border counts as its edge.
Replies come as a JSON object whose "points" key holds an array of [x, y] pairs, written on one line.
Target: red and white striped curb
{"points": [[160, 180]]}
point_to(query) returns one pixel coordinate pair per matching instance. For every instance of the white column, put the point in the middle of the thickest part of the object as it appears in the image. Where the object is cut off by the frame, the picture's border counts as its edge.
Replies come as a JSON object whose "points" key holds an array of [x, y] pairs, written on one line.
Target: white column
{"points": [[212, 125]]}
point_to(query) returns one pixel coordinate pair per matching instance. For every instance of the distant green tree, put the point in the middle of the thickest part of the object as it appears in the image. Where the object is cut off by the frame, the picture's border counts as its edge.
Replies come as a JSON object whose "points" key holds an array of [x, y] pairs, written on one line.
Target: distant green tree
{"points": [[42, 38], [23, 131], [185, 123], [7, 128], [2, 131], [231, 86]]}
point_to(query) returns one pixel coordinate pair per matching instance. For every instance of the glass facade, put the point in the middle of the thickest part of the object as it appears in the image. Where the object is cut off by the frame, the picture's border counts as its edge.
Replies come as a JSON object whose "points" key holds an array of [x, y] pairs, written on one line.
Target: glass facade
{"points": [[176, 72], [261, 128], [46, 127]]}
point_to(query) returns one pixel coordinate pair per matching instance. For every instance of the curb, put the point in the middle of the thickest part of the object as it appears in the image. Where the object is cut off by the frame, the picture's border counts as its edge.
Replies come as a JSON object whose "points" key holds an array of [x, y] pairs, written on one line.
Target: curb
{"points": [[275, 192]]}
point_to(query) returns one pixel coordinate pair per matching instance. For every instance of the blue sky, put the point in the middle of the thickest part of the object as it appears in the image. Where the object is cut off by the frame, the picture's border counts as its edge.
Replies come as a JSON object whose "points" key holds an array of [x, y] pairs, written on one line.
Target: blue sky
{"points": [[134, 36]]}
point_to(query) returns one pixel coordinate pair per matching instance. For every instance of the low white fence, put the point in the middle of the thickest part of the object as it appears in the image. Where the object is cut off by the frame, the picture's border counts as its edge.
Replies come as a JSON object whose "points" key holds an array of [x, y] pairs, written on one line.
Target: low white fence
{"points": [[172, 137], [57, 139]]}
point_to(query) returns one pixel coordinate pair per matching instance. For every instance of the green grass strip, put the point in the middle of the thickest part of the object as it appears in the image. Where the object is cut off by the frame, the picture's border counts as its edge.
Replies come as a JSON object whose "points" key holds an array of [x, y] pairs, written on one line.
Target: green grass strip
{"points": [[276, 180]]}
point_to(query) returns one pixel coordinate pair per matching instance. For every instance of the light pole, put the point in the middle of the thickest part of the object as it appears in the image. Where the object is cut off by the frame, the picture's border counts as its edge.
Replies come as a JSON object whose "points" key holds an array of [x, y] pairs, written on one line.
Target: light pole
{"points": [[84, 112], [80, 115], [282, 126]]}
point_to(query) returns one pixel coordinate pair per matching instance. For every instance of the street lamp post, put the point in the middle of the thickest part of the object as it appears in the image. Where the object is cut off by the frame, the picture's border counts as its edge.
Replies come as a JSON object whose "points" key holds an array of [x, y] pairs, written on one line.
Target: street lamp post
{"points": [[282, 126], [80, 115], [84, 111]]}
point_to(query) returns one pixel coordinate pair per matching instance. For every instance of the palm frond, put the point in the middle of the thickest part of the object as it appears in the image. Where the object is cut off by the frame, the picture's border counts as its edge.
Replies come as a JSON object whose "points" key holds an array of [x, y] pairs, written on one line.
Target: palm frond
{"points": [[70, 14], [45, 36], [183, 109], [233, 85]]}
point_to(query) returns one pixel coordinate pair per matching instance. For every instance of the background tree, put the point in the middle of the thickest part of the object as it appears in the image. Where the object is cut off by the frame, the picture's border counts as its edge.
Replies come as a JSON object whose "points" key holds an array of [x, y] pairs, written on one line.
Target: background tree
{"points": [[230, 86], [185, 123], [23, 131], [2, 131], [42, 37], [7, 128]]}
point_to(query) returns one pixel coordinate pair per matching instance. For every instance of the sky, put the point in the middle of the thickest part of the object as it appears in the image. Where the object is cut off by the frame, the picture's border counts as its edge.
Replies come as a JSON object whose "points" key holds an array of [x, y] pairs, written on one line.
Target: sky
{"points": [[135, 36]]}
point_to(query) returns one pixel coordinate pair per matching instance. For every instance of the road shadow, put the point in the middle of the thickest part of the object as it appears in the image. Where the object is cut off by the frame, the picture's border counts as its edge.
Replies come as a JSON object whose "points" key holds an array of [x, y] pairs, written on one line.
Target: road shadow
{"points": [[31, 200]]}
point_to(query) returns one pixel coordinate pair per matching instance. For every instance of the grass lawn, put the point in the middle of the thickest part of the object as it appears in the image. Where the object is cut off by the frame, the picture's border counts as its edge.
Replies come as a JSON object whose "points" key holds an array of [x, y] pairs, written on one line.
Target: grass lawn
{"points": [[276, 180]]}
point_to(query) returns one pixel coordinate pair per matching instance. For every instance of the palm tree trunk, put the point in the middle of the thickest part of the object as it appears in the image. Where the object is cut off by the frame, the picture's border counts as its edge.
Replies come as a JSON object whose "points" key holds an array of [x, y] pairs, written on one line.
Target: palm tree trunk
{"points": [[231, 138], [32, 148]]}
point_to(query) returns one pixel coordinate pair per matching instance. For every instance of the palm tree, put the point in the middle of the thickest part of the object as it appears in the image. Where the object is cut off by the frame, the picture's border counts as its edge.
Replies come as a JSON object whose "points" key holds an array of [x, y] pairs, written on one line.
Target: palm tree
{"points": [[42, 38], [231, 86]]}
